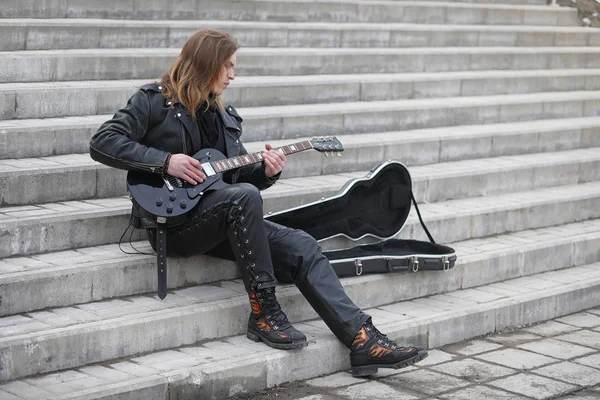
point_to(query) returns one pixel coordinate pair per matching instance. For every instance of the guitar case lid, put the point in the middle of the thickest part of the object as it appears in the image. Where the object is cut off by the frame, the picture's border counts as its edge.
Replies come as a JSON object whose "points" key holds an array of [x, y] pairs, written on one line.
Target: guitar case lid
{"points": [[376, 205]]}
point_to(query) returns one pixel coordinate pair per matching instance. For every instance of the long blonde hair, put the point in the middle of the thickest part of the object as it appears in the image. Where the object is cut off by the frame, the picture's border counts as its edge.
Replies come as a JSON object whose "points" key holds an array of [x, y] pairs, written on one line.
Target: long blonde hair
{"points": [[191, 77]]}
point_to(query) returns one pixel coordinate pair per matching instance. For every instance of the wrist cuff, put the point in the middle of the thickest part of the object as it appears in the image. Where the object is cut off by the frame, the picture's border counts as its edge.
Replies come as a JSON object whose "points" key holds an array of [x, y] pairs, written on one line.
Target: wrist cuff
{"points": [[166, 164]]}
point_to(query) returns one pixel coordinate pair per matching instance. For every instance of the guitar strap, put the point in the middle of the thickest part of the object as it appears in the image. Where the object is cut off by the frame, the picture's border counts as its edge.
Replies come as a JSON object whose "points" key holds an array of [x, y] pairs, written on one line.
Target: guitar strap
{"points": [[412, 196], [161, 257]]}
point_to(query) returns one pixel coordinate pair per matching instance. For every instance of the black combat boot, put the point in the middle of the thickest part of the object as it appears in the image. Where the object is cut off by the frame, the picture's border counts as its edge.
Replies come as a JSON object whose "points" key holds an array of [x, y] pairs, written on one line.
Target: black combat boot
{"points": [[268, 323], [371, 350]]}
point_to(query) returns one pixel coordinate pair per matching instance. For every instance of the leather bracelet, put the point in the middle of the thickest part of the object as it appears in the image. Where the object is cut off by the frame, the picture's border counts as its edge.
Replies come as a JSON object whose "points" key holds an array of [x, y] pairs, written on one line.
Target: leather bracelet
{"points": [[166, 164]]}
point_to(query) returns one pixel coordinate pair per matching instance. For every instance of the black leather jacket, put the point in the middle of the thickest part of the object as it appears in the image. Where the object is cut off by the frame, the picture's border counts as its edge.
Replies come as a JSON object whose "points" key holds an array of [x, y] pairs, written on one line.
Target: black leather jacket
{"points": [[140, 135]]}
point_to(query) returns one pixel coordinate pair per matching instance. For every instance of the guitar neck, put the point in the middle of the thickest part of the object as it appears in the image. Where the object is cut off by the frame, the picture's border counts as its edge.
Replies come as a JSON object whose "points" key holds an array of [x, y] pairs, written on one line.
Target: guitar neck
{"points": [[255, 158]]}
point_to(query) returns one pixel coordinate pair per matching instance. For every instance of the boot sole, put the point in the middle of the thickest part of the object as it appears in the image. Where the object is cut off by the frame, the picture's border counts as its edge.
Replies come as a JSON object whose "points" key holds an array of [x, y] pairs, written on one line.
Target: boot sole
{"points": [[366, 370], [281, 346]]}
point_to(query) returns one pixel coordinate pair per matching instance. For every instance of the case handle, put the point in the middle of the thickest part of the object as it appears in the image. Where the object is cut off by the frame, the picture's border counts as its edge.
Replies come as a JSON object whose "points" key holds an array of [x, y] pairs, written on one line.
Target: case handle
{"points": [[393, 266]]}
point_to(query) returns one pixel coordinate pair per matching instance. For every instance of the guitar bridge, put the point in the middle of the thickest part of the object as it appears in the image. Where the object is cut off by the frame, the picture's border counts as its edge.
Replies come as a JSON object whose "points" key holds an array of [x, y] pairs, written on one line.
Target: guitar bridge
{"points": [[168, 184], [171, 182]]}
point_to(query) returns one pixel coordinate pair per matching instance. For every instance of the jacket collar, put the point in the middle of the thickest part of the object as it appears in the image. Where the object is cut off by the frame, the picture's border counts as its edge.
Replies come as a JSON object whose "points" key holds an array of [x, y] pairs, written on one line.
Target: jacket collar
{"points": [[181, 113], [228, 120], [184, 115], [229, 123]]}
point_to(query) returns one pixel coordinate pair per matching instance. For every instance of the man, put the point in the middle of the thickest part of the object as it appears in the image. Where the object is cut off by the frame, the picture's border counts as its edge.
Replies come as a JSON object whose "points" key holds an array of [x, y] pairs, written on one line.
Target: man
{"points": [[159, 129]]}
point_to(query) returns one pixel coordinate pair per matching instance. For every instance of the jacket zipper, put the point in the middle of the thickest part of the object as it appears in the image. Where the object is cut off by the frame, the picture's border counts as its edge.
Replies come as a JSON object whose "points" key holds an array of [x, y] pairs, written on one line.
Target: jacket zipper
{"points": [[182, 138], [150, 167]]}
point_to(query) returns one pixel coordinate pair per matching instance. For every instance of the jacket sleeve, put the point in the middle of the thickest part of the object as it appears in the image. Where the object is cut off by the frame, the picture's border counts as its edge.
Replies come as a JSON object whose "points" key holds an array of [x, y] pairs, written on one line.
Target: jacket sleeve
{"points": [[117, 142]]}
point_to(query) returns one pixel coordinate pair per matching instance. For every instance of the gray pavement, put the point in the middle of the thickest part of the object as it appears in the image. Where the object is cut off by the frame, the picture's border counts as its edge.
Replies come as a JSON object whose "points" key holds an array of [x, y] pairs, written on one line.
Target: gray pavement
{"points": [[557, 359]]}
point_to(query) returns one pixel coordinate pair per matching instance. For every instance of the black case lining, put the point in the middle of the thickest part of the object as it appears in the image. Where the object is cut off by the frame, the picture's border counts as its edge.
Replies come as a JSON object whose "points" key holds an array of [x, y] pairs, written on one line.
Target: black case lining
{"points": [[378, 206]]}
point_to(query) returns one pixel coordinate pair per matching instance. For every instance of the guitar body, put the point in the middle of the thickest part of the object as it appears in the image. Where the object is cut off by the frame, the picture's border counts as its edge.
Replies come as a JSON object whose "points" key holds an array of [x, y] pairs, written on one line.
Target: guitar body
{"points": [[152, 193]]}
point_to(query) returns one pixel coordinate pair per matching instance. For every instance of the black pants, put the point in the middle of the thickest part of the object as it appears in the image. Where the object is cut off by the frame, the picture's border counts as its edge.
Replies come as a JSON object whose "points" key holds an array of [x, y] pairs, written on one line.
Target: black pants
{"points": [[231, 221]]}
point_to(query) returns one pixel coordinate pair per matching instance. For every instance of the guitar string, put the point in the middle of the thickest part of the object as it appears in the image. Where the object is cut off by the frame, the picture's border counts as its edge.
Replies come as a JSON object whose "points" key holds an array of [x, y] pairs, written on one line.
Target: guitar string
{"points": [[256, 157]]}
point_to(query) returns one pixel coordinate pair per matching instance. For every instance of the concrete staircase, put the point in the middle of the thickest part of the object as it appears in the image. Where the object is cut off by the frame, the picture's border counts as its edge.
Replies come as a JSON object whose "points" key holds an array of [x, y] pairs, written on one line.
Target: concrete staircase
{"points": [[495, 108]]}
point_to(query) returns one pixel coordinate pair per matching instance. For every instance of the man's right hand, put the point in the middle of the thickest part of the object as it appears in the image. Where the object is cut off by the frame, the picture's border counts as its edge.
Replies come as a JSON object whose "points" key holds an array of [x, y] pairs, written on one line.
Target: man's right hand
{"points": [[186, 168]]}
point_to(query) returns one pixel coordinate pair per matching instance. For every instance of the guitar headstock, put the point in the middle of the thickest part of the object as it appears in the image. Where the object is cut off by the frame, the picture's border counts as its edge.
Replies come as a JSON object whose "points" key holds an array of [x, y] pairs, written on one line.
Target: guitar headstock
{"points": [[327, 145]]}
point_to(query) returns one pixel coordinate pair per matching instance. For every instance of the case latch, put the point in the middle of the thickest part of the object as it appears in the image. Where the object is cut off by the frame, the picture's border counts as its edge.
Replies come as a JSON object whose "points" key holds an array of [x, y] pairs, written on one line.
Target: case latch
{"points": [[446, 263], [358, 267], [415, 263]]}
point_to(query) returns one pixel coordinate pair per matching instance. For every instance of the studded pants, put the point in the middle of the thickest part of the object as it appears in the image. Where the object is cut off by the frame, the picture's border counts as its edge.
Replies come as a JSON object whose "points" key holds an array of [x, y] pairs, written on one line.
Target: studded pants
{"points": [[229, 222]]}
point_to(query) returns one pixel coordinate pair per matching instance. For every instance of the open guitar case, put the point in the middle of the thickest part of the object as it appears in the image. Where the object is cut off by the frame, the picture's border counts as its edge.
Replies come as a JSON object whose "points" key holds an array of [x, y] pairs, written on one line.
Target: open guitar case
{"points": [[376, 206]]}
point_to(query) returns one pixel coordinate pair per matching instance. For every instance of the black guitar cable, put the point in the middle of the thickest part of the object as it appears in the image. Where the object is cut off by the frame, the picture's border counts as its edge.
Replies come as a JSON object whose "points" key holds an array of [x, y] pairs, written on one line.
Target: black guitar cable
{"points": [[131, 224]]}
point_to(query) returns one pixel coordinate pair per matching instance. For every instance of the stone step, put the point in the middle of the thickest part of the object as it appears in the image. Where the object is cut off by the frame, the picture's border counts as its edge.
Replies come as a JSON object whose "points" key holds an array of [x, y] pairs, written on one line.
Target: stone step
{"points": [[296, 10], [83, 275], [419, 314], [81, 98], [71, 134], [47, 137], [49, 34], [100, 64], [60, 226], [52, 179]]}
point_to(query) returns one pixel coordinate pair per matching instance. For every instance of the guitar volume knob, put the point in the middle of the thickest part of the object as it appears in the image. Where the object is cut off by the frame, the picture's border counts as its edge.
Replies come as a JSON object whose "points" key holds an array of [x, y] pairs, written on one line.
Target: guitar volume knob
{"points": [[159, 202], [169, 208], [183, 204], [172, 196]]}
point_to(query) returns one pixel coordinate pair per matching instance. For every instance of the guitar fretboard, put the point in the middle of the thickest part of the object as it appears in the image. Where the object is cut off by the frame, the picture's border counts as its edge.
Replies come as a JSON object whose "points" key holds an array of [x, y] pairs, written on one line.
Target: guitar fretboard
{"points": [[254, 158]]}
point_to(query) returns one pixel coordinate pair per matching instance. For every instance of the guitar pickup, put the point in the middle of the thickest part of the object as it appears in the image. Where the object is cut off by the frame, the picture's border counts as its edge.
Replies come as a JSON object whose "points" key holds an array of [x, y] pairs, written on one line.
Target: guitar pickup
{"points": [[208, 169]]}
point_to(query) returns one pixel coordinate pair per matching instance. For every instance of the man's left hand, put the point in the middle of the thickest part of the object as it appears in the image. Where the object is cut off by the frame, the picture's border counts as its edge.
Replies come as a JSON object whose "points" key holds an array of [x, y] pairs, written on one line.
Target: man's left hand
{"points": [[274, 161]]}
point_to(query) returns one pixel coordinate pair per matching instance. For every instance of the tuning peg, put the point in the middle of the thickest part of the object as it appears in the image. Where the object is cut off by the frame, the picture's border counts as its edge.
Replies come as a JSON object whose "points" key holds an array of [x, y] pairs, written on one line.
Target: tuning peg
{"points": [[326, 154], [339, 154]]}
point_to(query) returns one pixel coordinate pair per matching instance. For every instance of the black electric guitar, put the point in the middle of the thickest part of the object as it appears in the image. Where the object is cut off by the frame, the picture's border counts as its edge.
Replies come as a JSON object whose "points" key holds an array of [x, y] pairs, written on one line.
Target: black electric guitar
{"points": [[169, 196]]}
